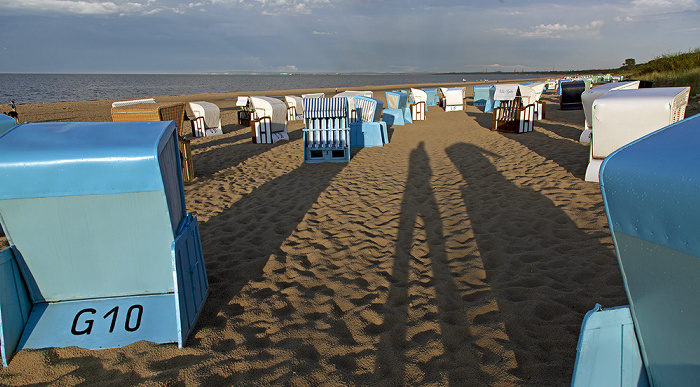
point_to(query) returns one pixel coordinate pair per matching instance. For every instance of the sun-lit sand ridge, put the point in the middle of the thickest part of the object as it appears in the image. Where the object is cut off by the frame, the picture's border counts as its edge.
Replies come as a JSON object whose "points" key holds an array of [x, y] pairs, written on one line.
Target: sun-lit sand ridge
{"points": [[452, 256]]}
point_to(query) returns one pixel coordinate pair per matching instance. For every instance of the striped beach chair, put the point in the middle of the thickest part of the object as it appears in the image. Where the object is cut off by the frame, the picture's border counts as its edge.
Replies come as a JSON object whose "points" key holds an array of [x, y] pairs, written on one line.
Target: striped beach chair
{"points": [[326, 133], [369, 130], [511, 115]]}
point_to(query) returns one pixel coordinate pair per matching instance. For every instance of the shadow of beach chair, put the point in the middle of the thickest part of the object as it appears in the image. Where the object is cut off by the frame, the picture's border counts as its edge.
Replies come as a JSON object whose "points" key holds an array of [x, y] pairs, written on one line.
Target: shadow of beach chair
{"points": [[326, 133], [511, 115], [102, 250], [397, 111], [622, 116], [268, 122], [369, 130], [650, 191], [207, 119]]}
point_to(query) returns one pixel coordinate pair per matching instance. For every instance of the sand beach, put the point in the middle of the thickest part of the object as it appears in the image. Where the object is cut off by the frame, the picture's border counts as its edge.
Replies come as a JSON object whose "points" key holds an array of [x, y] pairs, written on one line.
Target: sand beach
{"points": [[453, 256]]}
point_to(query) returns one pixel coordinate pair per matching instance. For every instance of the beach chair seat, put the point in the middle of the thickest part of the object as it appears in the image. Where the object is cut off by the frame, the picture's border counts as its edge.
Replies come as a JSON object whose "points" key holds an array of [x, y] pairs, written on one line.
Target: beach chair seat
{"points": [[417, 100], [326, 133], [622, 116], [397, 111], [102, 250], [268, 123], [369, 130], [207, 119], [649, 189], [295, 109], [163, 111]]}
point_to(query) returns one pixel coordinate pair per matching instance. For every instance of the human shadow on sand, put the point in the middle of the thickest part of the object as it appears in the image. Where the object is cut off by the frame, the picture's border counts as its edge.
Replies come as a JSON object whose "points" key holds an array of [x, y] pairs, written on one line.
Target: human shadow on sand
{"points": [[543, 271], [421, 262]]}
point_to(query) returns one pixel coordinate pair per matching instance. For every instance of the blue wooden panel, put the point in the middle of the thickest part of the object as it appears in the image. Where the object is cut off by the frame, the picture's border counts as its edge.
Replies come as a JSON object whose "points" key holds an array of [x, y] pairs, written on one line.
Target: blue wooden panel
{"points": [[368, 134], [15, 305], [53, 159], [482, 93], [191, 275], [6, 123], [608, 352], [102, 323]]}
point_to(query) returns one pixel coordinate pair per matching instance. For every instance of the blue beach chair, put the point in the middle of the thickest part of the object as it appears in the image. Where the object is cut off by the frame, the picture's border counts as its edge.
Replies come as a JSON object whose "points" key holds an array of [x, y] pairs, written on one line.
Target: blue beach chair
{"points": [[6, 123], [397, 111], [102, 250], [650, 189], [369, 130], [326, 133], [432, 97]]}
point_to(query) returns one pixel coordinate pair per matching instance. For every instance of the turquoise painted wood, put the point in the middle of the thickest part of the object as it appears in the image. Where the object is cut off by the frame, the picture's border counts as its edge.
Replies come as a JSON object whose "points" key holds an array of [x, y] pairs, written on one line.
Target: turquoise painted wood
{"points": [[650, 191], [6, 123], [481, 94], [608, 353], [15, 304], [101, 239]]}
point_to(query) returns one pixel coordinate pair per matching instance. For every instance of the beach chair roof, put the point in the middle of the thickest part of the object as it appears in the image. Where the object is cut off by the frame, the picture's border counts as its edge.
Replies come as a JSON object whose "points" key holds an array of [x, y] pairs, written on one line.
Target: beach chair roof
{"points": [[368, 109], [53, 159], [506, 92], [209, 111], [588, 96], [350, 95], [242, 101], [270, 107], [396, 100], [325, 107], [313, 95], [418, 95]]}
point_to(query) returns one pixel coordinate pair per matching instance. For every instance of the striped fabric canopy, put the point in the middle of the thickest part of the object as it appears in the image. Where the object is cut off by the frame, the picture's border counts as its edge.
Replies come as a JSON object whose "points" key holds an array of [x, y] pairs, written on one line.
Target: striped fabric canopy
{"points": [[368, 109], [325, 107]]}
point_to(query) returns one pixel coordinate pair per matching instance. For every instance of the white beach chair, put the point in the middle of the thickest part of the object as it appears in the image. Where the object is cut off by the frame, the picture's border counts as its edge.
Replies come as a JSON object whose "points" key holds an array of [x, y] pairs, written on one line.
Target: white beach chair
{"points": [[622, 116], [207, 119], [268, 122], [587, 98], [133, 102], [295, 109], [452, 99], [326, 133], [350, 95], [417, 100]]}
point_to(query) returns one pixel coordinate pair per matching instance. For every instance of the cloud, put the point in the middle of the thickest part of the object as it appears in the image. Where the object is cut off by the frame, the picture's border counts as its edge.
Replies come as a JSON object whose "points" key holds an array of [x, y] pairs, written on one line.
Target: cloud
{"points": [[65, 6], [556, 31]]}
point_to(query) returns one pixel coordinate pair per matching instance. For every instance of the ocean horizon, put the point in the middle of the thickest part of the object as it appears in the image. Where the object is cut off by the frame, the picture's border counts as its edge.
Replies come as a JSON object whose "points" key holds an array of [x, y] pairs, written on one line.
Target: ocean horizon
{"points": [[47, 88]]}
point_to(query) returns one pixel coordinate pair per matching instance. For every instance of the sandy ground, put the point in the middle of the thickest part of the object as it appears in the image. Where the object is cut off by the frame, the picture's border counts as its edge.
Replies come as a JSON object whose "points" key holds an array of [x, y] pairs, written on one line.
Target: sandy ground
{"points": [[454, 255]]}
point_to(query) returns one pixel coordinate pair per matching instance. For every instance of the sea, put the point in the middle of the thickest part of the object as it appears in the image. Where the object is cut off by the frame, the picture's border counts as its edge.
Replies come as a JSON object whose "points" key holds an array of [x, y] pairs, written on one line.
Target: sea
{"points": [[45, 88]]}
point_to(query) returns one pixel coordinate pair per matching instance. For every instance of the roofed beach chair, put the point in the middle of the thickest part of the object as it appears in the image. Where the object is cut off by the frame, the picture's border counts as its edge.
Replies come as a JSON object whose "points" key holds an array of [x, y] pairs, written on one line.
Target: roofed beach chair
{"points": [[102, 250], [369, 130], [244, 114], [326, 133], [511, 115], [452, 99], [650, 189], [268, 122], [622, 116], [295, 109], [133, 102], [587, 98], [483, 94], [397, 111], [417, 99], [432, 95], [570, 98], [350, 95], [530, 94], [207, 119]]}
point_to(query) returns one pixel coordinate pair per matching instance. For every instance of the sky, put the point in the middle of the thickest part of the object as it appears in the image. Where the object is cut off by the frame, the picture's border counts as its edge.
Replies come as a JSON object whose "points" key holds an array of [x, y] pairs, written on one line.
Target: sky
{"points": [[308, 36]]}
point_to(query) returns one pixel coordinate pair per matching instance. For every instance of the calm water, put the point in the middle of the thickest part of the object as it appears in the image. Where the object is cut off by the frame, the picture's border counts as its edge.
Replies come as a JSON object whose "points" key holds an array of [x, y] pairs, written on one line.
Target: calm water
{"points": [[38, 88]]}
